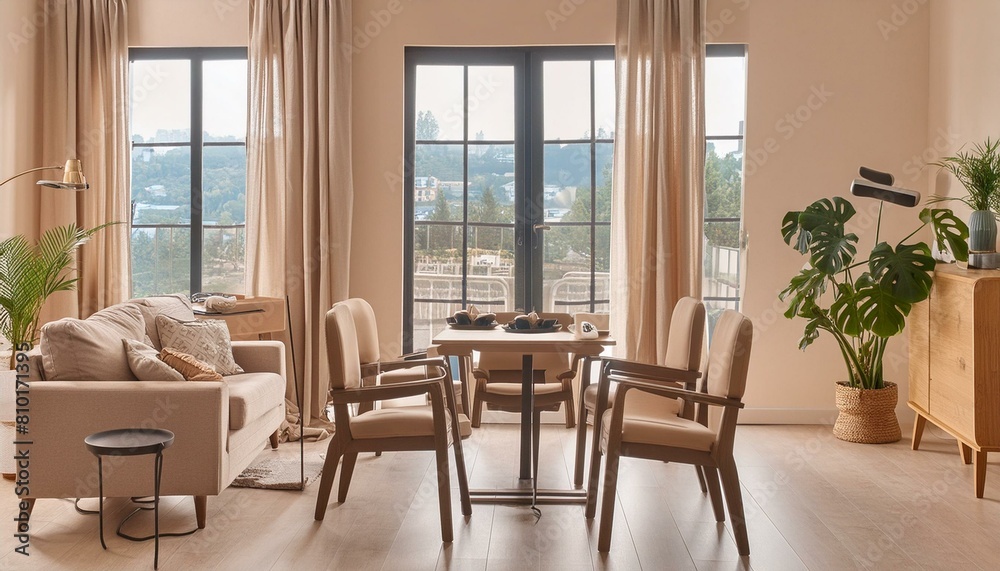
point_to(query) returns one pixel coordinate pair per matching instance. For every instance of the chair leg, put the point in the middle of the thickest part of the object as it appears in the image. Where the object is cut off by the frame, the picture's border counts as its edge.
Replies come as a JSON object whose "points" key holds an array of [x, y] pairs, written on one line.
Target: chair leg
{"points": [[477, 408], [326, 482], [608, 500], [570, 411], [274, 440], [595, 468], [711, 476], [581, 447], [701, 478], [444, 488], [346, 471], [734, 499], [463, 476]]}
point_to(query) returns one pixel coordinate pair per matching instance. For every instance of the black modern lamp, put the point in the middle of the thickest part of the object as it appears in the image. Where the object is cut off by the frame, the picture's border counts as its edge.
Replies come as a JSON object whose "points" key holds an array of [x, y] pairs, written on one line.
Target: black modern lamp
{"points": [[72, 179]]}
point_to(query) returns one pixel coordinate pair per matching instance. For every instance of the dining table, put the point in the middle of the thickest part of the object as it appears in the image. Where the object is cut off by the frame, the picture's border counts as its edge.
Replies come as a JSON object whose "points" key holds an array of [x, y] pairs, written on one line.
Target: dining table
{"points": [[463, 341]]}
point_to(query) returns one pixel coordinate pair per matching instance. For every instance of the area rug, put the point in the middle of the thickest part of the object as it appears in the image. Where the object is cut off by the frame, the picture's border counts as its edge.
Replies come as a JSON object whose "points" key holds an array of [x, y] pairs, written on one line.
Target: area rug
{"points": [[273, 470]]}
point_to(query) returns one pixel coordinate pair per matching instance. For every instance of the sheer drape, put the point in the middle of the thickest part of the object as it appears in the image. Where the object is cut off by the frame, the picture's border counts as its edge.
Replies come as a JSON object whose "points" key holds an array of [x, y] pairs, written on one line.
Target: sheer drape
{"points": [[85, 115], [658, 169], [299, 186]]}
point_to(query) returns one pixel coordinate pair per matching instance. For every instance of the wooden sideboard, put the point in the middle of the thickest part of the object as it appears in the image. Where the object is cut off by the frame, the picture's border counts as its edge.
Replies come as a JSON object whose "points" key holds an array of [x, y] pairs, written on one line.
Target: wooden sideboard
{"points": [[955, 362]]}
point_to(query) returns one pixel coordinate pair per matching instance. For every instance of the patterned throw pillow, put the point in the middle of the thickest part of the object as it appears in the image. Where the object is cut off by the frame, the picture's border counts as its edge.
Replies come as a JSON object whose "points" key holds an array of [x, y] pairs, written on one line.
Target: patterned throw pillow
{"points": [[190, 368], [206, 340], [146, 364]]}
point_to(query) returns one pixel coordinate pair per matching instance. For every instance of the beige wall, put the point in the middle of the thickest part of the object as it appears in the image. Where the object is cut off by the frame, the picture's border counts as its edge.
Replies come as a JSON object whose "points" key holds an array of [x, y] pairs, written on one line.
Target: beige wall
{"points": [[964, 83], [155, 23]]}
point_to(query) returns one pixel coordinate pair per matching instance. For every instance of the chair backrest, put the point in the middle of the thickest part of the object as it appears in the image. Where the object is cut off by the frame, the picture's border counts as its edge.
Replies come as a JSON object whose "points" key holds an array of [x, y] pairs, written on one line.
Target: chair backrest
{"points": [[553, 363], [342, 348], [686, 336], [729, 355], [367, 330]]}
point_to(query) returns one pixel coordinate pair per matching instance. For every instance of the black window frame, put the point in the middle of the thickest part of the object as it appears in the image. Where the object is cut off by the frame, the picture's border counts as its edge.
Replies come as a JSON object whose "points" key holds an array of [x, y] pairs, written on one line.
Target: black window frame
{"points": [[197, 56], [529, 146]]}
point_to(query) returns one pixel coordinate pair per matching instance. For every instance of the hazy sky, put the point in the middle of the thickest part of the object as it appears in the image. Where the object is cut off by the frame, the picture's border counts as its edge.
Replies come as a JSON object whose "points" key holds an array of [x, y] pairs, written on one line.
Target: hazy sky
{"points": [[161, 95]]}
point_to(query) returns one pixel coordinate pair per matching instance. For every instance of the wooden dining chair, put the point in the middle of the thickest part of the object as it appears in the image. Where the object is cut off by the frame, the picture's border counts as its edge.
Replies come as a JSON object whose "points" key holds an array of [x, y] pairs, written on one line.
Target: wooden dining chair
{"points": [[413, 367], [498, 378], [671, 438], [390, 429], [685, 340]]}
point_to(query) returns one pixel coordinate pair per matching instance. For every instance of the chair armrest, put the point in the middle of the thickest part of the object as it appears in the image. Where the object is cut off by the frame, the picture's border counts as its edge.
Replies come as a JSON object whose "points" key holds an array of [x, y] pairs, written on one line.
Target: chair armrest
{"points": [[650, 372], [481, 374], [438, 362], [385, 392], [416, 355], [260, 356], [627, 383]]}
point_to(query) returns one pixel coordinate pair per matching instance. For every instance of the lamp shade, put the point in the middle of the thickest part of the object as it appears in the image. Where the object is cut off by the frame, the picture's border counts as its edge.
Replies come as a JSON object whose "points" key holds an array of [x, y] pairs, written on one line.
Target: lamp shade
{"points": [[73, 178]]}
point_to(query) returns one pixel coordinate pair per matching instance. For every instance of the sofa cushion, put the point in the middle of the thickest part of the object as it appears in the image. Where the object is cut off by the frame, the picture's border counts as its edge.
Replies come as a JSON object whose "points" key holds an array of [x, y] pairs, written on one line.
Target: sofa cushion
{"points": [[177, 306], [146, 364], [252, 395], [91, 349], [206, 340], [190, 368]]}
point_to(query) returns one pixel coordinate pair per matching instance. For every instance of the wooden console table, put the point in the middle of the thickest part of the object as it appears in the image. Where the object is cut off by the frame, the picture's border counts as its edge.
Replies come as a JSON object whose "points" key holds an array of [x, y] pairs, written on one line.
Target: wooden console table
{"points": [[955, 362], [252, 317]]}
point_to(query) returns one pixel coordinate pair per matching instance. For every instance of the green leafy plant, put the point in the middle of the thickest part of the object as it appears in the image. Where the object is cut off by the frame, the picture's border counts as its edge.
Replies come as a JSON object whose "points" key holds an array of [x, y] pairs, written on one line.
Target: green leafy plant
{"points": [[979, 172], [30, 274], [868, 299]]}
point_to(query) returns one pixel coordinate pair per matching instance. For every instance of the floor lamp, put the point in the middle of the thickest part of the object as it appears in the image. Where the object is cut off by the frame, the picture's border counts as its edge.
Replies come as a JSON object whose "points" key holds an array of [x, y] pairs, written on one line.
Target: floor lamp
{"points": [[73, 179]]}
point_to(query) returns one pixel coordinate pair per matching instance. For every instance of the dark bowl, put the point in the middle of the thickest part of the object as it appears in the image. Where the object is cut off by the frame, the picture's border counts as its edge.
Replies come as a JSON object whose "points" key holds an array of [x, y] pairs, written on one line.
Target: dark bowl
{"points": [[522, 323], [462, 319], [547, 323], [484, 320]]}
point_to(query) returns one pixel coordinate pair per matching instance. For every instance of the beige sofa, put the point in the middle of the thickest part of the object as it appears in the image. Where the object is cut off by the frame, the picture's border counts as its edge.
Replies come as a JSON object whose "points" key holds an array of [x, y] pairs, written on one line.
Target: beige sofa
{"points": [[219, 427]]}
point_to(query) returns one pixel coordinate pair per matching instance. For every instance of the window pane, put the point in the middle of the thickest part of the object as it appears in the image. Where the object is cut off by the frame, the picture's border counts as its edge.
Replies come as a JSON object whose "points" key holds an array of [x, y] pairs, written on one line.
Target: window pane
{"points": [[224, 185], [491, 268], [223, 259], [440, 109], [438, 182], [438, 250], [723, 183], [161, 261], [428, 318], [161, 185], [491, 183], [566, 99], [567, 182], [722, 260], [491, 103], [224, 86], [566, 270], [161, 101], [713, 311], [604, 169], [604, 98], [725, 95]]}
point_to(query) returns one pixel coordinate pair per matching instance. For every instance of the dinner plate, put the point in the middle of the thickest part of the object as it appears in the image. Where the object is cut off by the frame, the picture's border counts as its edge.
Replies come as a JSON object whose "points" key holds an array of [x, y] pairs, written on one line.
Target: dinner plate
{"points": [[546, 330], [572, 329], [472, 327]]}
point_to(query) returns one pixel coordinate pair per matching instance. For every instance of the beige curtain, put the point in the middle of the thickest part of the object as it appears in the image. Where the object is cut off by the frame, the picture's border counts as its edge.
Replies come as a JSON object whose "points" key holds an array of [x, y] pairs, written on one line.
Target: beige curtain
{"points": [[84, 94], [658, 169], [299, 187]]}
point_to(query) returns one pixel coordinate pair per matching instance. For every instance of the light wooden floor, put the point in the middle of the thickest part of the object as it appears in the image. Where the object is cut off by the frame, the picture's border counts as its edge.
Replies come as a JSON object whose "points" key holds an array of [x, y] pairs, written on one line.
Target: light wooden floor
{"points": [[813, 502]]}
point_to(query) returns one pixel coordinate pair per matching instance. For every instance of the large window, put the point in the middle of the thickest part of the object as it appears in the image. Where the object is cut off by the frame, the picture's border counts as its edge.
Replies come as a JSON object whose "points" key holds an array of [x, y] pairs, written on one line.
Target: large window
{"points": [[188, 129], [725, 112], [508, 181]]}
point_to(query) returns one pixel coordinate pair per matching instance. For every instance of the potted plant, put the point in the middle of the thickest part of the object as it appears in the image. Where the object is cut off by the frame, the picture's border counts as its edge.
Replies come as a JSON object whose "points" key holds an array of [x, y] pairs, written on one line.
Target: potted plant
{"points": [[30, 274], [861, 302], [979, 172]]}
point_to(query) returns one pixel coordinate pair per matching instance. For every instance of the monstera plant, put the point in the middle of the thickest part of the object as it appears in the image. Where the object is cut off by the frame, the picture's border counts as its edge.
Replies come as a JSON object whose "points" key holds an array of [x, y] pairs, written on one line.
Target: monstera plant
{"points": [[861, 302]]}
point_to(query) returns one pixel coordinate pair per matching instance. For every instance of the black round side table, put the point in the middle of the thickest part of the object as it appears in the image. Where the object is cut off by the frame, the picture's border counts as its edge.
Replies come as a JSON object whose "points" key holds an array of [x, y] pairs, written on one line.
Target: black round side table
{"points": [[132, 442]]}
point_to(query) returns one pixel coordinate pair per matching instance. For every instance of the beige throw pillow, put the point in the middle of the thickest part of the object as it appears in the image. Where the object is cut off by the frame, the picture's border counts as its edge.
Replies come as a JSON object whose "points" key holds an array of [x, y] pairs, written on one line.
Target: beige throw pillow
{"points": [[190, 368], [206, 340], [91, 349], [146, 364]]}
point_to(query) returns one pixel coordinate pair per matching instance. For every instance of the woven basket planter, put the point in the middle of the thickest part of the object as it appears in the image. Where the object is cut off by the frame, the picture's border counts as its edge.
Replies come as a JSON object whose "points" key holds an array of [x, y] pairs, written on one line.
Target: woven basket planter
{"points": [[867, 416]]}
